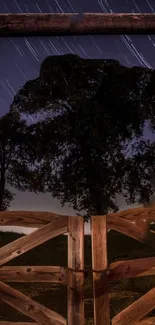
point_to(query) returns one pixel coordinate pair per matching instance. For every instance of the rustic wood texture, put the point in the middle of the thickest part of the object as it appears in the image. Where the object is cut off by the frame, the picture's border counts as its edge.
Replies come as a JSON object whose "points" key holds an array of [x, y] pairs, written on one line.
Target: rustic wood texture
{"points": [[37, 219], [145, 321], [76, 279], [32, 219], [29, 307], [132, 268], [18, 323], [128, 228], [51, 274], [142, 217], [26, 243], [137, 214], [76, 24], [99, 263], [139, 222], [136, 311]]}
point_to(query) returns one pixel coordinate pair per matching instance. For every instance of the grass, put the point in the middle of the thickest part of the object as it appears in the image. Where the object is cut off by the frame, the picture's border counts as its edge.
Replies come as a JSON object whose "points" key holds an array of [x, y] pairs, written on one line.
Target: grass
{"points": [[54, 252]]}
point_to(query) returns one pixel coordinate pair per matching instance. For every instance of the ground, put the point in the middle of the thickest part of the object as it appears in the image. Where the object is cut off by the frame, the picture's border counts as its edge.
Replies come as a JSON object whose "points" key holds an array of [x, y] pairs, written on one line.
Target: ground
{"points": [[54, 252]]}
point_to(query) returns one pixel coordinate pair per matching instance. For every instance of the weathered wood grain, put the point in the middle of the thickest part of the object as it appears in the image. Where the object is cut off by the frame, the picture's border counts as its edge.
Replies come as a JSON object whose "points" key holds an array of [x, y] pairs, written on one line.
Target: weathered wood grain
{"points": [[76, 279], [51, 274], [39, 236], [136, 311], [127, 227], [17, 323], [75, 24], [137, 214], [36, 219], [29, 307], [100, 263], [145, 321], [132, 268], [32, 219]]}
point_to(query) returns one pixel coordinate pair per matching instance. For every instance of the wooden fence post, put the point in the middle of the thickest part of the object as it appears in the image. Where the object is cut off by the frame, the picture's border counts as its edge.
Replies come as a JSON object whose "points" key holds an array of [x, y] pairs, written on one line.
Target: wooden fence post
{"points": [[100, 262], [75, 279]]}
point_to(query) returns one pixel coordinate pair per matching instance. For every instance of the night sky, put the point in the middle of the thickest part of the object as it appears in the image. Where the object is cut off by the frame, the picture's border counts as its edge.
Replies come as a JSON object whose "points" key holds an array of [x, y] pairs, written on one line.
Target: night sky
{"points": [[20, 59]]}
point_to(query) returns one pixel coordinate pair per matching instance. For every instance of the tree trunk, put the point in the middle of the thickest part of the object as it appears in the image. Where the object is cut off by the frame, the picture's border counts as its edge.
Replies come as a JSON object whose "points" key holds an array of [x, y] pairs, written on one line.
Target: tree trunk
{"points": [[2, 184], [2, 189]]}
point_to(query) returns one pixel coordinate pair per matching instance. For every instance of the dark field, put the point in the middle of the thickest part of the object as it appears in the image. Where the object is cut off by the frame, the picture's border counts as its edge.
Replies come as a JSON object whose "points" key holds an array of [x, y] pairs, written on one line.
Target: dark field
{"points": [[54, 252]]}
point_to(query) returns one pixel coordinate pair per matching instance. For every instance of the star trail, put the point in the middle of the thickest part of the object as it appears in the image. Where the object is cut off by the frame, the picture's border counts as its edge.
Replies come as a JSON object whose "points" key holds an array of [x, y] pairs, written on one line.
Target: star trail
{"points": [[20, 58]]}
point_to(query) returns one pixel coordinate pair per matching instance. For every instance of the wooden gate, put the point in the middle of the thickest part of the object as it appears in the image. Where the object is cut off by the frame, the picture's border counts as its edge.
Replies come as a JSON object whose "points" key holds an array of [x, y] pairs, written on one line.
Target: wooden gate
{"points": [[133, 223], [51, 225]]}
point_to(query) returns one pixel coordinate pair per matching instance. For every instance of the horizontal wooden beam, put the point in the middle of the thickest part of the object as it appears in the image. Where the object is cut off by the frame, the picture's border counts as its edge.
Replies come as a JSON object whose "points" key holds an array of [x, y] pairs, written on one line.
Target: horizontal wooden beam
{"points": [[37, 219], [132, 268], [29, 307], [76, 24], [128, 228], [32, 219], [17, 323], [137, 310], [136, 214], [38, 237], [51, 274], [145, 321]]}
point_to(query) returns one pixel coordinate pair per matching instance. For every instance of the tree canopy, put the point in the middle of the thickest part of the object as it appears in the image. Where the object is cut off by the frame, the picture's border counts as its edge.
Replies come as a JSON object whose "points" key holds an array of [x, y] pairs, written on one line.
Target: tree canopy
{"points": [[90, 143], [16, 170]]}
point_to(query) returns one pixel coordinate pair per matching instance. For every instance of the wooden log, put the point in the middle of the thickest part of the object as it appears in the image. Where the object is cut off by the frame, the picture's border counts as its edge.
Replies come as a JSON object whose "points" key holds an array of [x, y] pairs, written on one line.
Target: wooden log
{"points": [[38, 237], [143, 217], [37, 219], [76, 24], [76, 279], [99, 263], [136, 311], [29, 307], [145, 321], [32, 219], [51, 274], [132, 268], [128, 228], [17, 323], [135, 214]]}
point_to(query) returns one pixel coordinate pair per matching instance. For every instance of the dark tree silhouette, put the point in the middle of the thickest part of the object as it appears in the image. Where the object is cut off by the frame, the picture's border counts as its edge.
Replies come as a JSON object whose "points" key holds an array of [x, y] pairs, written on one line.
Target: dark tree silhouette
{"points": [[90, 112], [15, 168]]}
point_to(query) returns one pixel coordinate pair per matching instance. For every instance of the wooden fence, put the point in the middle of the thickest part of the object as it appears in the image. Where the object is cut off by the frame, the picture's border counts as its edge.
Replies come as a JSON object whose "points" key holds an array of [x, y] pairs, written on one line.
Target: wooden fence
{"points": [[51, 225], [31, 24]]}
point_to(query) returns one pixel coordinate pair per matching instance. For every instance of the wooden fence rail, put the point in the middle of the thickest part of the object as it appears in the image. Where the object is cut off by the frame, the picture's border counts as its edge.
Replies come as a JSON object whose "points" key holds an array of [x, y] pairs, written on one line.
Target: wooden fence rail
{"points": [[99, 266], [133, 223], [32, 24]]}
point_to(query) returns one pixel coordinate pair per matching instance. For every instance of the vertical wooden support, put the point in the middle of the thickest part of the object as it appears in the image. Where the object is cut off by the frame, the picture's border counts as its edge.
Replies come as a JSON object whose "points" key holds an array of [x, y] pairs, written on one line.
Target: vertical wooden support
{"points": [[100, 262], [76, 279]]}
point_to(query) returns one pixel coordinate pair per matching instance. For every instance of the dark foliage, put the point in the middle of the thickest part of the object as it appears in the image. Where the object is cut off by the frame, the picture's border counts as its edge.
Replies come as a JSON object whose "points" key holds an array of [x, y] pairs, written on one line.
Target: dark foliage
{"points": [[89, 139], [16, 170]]}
